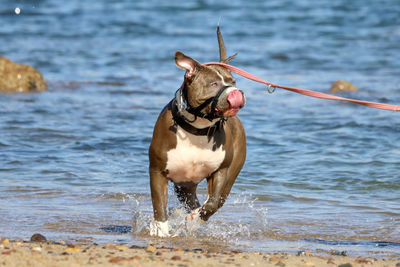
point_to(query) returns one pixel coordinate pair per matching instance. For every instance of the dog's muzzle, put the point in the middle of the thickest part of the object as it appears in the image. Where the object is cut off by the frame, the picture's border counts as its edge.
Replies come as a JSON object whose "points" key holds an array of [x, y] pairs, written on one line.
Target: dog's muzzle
{"points": [[235, 99]]}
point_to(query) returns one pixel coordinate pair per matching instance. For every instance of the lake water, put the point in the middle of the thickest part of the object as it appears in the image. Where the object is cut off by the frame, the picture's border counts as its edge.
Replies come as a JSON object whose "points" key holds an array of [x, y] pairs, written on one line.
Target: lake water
{"points": [[319, 176]]}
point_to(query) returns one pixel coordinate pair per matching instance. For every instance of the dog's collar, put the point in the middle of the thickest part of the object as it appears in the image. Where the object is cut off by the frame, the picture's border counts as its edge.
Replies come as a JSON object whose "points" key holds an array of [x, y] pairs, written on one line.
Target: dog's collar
{"points": [[181, 120]]}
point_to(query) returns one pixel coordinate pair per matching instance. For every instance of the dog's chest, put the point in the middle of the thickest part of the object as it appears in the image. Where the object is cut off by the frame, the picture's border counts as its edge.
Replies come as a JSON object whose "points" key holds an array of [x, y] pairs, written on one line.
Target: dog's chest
{"points": [[193, 159]]}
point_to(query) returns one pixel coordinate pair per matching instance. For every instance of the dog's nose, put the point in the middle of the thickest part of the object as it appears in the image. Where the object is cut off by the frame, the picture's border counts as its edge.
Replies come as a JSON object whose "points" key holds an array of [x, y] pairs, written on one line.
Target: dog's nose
{"points": [[236, 99]]}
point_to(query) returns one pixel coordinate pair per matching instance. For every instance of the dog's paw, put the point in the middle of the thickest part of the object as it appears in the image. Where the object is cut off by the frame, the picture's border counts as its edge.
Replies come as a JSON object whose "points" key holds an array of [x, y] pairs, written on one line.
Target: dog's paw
{"points": [[193, 215], [193, 220], [159, 229]]}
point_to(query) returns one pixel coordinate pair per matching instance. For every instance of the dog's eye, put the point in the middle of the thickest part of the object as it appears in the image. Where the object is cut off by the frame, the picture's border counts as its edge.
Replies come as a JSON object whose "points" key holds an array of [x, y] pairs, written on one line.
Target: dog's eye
{"points": [[214, 84]]}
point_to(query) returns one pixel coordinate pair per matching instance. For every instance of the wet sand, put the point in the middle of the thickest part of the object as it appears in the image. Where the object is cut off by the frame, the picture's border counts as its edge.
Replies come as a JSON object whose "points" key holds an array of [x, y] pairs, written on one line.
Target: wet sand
{"points": [[28, 253]]}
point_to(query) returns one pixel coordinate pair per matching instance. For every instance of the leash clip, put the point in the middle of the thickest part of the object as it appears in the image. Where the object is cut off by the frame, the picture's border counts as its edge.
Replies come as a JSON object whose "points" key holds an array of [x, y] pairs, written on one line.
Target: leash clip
{"points": [[271, 89]]}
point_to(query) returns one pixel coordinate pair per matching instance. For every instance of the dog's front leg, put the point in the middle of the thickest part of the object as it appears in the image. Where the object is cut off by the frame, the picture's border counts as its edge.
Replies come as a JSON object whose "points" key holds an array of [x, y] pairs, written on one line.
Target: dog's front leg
{"points": [[216, 183], [159, 196], [216, 197]]}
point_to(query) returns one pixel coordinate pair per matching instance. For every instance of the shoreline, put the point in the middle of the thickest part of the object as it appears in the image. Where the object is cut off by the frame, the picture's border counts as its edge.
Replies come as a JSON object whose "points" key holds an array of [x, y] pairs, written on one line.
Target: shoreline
{"points": [[48, 253]]}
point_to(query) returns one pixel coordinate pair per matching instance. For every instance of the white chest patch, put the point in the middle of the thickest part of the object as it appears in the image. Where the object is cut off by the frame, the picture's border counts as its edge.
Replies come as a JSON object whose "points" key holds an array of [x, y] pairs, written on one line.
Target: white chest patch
{"points": [[193, 158]]}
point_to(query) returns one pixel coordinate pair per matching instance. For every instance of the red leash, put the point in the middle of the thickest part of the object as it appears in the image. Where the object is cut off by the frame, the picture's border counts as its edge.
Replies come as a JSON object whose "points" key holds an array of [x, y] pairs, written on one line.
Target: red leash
{"points": [[304, 91]]}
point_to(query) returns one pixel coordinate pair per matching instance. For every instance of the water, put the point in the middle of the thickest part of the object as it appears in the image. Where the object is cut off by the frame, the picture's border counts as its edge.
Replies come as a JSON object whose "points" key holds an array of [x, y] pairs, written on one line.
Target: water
{"points": [[320, 175]]}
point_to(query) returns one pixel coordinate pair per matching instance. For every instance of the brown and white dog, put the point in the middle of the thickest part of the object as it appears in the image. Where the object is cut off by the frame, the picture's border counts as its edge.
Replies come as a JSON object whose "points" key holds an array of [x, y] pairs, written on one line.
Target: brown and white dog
{"points": [[197, 136]]}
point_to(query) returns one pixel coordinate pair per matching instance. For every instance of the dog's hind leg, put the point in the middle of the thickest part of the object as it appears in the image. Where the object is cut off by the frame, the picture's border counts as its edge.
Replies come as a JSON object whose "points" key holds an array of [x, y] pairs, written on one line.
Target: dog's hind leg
{"points": [[186, 193]]}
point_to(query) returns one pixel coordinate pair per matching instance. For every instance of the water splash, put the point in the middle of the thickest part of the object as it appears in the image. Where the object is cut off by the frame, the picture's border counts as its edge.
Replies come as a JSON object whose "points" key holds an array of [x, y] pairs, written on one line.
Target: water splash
{"points": [[225, 226]]}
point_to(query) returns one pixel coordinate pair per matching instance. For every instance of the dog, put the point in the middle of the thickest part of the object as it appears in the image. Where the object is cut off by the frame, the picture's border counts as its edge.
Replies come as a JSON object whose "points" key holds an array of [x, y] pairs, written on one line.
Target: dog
{"points": [[197, 136]]}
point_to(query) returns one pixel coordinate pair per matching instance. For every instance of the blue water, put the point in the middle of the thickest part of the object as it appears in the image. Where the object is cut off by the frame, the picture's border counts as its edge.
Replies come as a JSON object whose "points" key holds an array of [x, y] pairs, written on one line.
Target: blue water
{"points": [[319, 174]]}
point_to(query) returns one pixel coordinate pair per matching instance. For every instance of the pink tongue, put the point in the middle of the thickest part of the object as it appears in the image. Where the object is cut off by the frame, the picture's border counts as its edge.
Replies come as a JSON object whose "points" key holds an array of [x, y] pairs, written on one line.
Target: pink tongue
{"points": [[235, 99]]}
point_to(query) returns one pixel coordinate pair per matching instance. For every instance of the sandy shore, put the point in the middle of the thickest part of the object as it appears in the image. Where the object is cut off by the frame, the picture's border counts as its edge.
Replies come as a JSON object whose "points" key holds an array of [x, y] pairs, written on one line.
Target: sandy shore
{"points": [[45, 253]]}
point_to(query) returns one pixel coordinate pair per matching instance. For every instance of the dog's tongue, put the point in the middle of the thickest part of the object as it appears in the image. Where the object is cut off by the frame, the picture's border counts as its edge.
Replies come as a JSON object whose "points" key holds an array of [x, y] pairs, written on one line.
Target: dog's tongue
{"points": [[235, 99]]}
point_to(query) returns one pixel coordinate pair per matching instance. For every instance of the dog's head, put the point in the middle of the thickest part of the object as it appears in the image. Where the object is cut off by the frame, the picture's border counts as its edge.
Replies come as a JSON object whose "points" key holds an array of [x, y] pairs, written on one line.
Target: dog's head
{"points": [[210, 89]]}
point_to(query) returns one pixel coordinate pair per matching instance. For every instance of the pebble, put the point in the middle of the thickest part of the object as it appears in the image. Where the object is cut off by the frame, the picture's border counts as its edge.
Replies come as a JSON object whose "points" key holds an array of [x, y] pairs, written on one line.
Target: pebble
{"points": [[176, 258], [274, 259], [304, 253], [151, 248], [4, 241], [136, 247], [9, 252], [71, 250], [120, 247], [363, 261], [38, 238], [338, 253], [214, 250], [330, 261], [37, 249], [119, 259]]}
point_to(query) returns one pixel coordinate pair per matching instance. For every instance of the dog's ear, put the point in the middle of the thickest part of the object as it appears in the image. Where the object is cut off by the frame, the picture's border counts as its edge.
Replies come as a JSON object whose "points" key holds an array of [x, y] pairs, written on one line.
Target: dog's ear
{"points": [[187, 63]]}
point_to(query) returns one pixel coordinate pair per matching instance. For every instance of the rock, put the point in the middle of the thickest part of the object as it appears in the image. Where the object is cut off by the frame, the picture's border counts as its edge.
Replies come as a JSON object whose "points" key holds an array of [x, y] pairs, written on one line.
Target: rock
{"points": [[72, 250], [119, 247], [38, 238], [151, 248], [301, 253], [19, 77], [136, 247], [330, 261], [4, 241], [37, 249], [176, 258], [346, 265], [363, 261], [342, 86], [338, 253], [119, 259], [8, 252]]}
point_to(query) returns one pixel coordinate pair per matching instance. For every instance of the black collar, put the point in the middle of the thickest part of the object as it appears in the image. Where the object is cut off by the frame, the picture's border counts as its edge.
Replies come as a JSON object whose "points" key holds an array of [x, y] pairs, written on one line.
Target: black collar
{"points": [[184, 123]]}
